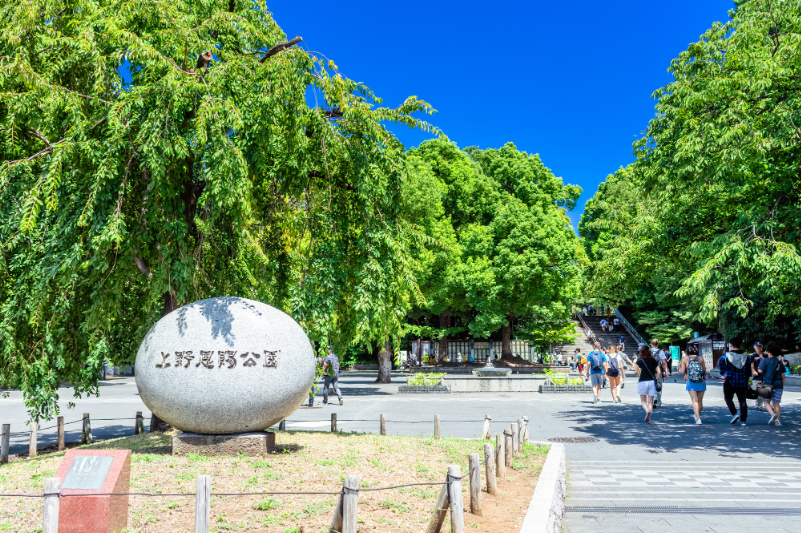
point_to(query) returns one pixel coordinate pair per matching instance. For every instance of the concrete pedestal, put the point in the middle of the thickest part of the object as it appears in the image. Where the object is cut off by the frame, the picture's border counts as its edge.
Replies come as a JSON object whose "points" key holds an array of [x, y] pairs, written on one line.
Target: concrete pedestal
{"points": [[250, 444]]}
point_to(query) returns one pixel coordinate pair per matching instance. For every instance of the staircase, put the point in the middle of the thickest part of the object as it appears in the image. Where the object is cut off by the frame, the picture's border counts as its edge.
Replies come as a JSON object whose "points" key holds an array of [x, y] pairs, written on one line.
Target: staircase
{"points": [[606, 338]]}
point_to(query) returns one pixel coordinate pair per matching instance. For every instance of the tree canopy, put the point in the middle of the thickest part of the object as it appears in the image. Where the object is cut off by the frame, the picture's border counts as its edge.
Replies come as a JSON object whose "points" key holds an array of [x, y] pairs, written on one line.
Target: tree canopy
{"points": [[155, 153], [707, 219], [512, 253]]}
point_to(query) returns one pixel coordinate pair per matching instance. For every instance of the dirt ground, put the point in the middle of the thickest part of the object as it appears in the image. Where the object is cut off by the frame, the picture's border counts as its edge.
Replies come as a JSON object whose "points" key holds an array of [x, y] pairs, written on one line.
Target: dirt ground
{"points": [[302, 462]]}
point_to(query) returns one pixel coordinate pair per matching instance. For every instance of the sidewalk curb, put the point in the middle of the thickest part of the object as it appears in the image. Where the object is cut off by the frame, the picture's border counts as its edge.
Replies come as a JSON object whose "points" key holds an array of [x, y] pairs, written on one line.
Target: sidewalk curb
{"points": [[547, 507]]}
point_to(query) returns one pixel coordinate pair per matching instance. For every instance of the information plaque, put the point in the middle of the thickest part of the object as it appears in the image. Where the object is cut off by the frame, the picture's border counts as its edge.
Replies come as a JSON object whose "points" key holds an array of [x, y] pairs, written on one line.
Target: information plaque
{"points": [[87, 472]]}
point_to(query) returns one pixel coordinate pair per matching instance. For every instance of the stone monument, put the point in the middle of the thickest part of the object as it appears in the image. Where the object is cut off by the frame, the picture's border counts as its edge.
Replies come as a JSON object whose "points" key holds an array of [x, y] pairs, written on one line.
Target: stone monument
{"points": [[90, 472], [222, 371]]}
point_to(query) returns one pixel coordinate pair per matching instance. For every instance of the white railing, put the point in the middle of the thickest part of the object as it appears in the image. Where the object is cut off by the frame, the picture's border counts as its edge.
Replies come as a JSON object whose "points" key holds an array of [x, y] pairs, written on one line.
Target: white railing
{"points": [[630, 328]]}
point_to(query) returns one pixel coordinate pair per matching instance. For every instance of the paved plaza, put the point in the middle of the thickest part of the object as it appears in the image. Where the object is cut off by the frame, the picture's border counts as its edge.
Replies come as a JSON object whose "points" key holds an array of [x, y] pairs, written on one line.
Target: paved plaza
{"points": [[732, 478]]}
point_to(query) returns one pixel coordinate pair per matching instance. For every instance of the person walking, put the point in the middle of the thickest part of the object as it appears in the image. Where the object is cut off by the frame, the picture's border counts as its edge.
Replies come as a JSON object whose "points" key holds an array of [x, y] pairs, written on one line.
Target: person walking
{"points": [[616, 321], [771, 370], [660, 357], [595, 371], [315, 388], [615, 372], [331, 373], [736, 368], [622, 342], [758, 356], [584, 310], [591, 309], [694, 369], [579, 362], [648, 369], [604, 323]]}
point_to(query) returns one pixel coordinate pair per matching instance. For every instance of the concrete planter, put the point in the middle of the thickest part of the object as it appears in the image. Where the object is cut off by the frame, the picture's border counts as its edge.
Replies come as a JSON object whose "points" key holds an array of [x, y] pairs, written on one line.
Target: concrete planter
{"points": [[424, 389], [426, 381], [525, 383], [550, 388]]}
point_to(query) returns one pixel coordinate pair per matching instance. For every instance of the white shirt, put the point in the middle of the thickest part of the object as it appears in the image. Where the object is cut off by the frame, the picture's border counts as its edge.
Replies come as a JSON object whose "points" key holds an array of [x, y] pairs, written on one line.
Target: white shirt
{"points": [[604, 323]]}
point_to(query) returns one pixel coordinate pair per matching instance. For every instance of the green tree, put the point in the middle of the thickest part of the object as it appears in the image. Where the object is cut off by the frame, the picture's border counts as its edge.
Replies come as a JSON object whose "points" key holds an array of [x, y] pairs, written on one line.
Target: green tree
{"points": [[203, 173], [526, 261], [722, 157]]}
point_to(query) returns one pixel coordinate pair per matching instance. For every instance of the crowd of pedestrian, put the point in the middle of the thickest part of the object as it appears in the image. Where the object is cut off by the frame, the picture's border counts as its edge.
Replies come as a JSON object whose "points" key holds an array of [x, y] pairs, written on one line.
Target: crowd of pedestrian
{"points": [[759, 375]]}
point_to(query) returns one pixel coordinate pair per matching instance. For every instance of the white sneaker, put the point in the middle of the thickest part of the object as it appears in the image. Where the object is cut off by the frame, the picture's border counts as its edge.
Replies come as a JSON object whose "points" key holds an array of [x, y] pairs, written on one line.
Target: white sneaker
{"points": [[777, 424], [772, 419], [735, 419], [341, 402], [697, 421], [742, 423], [594, 399], [695, 417]]}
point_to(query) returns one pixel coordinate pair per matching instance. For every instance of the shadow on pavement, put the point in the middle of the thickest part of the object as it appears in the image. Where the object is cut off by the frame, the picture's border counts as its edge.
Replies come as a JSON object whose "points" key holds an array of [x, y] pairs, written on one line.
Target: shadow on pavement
{"points": [[672, 430]]}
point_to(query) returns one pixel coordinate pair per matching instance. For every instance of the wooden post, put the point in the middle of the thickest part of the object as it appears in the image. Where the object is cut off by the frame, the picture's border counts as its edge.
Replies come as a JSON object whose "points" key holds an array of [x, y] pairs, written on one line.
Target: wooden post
{"points": [[86, 436], [489, 467], [60, 423], [32, 443], [350, 504], [521, 428], [282, 425], [436, 426], [333, 422], [515, 431], [336, 522], [50, 519], [486, 433], [455, 495], [383, 424], [475, 483], [500, 456], [203, 504], [525, 433], [136, 422], [508, 446], [5, 443], [440, 510]]}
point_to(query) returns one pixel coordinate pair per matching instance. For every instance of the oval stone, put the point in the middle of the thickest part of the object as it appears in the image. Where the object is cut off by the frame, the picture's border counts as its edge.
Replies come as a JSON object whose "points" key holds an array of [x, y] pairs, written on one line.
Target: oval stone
{"points": [[224, 365]]}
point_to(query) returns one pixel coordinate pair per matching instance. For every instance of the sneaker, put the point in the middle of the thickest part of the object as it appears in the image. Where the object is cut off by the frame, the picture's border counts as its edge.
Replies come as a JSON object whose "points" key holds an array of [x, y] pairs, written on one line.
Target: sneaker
{"points": [[695, 417], [594, 399], [618, 399], [735, 419], [698, 422], [341, 401], [777, 424], [772, 419], [742, 423]]}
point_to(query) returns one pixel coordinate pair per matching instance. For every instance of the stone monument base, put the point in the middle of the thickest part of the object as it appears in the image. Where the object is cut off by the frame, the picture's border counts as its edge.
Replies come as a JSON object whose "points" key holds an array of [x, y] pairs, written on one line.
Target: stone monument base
{"points": [[250, 444]]}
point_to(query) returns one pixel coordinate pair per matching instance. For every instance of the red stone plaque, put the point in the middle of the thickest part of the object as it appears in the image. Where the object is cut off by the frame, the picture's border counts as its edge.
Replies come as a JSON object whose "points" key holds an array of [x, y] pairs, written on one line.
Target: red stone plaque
{"points": [[94, 472]]}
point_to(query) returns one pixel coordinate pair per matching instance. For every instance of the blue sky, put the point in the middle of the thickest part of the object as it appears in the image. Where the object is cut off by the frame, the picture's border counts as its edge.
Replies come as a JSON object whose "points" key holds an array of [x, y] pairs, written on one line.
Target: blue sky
{"points": [[571, 81]]}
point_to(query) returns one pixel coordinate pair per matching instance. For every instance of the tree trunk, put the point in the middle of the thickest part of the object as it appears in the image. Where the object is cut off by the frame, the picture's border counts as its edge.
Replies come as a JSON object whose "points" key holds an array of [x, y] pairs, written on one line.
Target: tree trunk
{"points": [[170, 304], [506, 340], [384, 363], [420, 350], [444, 323]]}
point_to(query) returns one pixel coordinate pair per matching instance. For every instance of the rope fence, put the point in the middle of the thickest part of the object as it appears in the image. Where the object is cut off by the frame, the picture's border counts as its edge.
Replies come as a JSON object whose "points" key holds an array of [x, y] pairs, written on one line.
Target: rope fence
{"points": [[496, 459]]}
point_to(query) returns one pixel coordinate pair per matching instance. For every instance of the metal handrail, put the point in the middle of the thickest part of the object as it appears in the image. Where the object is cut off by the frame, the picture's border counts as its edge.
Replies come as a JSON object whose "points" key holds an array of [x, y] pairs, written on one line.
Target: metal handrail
{"points": [[629, 327], [586, 328]]}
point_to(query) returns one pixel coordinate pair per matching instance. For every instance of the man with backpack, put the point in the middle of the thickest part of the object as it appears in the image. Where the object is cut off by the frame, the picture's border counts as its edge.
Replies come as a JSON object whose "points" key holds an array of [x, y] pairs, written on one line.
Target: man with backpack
{"points": [[736, 368], [331, 375], [596, 371]]}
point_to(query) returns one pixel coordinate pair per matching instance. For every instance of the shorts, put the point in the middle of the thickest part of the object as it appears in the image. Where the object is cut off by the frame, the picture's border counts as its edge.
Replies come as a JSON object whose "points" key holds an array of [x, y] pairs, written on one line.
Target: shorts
{"points": [[646, 388], [697, 387], [597, 380], [777, 396], [613, 373]]}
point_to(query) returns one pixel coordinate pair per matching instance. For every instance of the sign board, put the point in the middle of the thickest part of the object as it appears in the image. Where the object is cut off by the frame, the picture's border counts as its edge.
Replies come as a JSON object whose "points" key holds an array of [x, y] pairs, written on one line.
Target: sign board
{"points": [[675, 353], [87, 472]]}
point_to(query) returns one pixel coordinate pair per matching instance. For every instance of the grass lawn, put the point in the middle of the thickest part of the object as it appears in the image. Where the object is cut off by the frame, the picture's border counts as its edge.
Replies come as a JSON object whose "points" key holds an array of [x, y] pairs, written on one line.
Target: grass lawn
{"points": [[302, 461]]}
